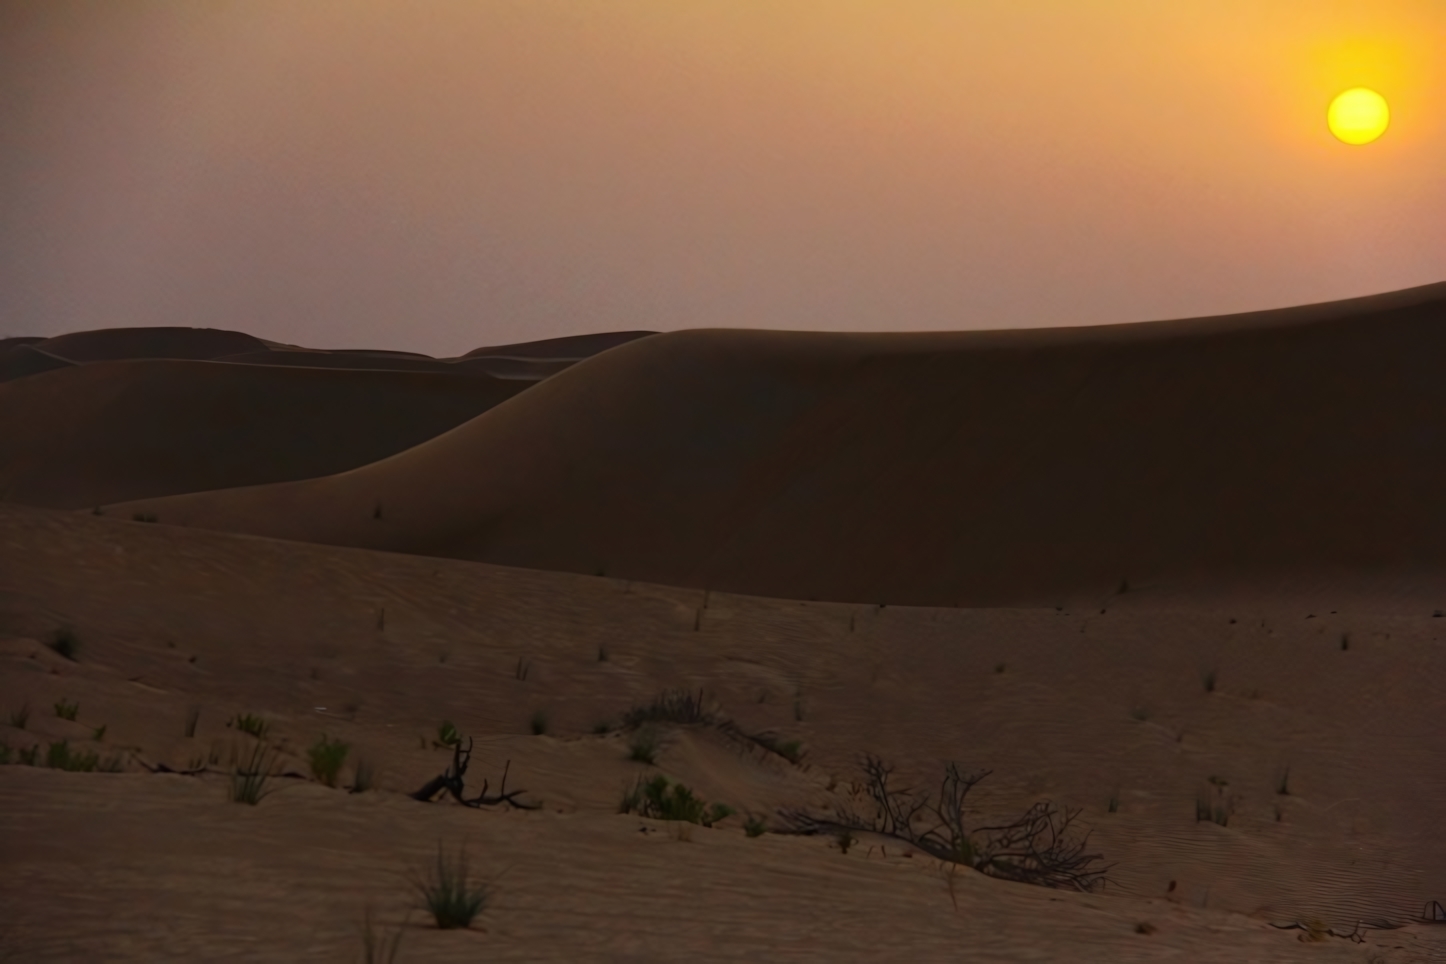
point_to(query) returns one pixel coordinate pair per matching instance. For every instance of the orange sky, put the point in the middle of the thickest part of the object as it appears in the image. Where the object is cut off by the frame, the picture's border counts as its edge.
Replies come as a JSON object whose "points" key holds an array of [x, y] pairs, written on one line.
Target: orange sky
{"points": [[441, 175]]}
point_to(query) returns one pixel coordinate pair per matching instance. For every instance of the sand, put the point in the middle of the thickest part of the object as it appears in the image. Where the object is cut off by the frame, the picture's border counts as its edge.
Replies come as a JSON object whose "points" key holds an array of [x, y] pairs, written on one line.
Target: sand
{"points": [[378, 648]]}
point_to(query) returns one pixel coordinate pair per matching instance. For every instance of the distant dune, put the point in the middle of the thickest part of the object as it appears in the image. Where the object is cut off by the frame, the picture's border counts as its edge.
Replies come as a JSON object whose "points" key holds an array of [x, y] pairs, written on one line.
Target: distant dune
{"points": [[113, 344], [977, 467], [110, 431], [133, 413]]}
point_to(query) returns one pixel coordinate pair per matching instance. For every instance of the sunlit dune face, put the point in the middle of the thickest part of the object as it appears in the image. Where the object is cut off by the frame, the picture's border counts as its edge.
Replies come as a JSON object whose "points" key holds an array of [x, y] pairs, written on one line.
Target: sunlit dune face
{"points": [[1359, 116]]}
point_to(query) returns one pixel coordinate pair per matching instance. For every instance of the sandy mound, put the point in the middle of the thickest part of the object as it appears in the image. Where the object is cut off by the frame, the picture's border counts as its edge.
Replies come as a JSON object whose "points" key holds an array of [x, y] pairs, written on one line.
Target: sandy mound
{"points": [[1316, 729], [109, 431], [931, 468], [112, 344]]}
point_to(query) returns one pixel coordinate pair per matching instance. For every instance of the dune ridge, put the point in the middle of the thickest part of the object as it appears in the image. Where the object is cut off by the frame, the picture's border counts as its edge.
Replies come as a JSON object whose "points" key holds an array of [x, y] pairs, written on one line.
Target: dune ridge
{"points": [[946, 469], [107, 431]]}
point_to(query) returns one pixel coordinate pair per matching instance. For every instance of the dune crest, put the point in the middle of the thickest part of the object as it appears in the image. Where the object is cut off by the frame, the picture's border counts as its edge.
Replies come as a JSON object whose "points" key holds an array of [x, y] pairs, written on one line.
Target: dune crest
{"points": [[944, 469]]}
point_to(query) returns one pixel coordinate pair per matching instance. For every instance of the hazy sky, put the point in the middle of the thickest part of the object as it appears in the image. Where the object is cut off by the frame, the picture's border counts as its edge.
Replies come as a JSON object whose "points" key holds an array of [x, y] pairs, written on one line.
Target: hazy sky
{"points": [[435, 175]]}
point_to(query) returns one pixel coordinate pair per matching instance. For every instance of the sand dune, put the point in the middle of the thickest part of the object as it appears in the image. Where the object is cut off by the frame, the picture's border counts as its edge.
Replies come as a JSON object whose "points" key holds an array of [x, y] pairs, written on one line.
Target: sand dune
{"points": [[970, 468], [1081, 706], [108, 431], [113, 344]]}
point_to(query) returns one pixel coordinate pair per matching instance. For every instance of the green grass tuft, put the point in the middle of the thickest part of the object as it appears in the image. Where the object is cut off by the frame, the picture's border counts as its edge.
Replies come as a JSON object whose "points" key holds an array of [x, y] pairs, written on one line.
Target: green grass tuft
{"points": [[658, 799], [447, 735], [250, 723], [61, 756], [448, 892], [755, 827], [67, 710], [249, 779], [326, 757]]}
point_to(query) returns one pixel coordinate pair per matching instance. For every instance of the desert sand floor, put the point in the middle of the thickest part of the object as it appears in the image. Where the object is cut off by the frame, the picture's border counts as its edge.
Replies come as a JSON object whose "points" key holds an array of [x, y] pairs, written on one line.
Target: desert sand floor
{"points": [[1139, 698]]}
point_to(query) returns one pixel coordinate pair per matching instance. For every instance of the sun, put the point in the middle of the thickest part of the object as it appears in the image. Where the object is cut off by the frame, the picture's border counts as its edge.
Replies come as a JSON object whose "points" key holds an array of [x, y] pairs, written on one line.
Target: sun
{"points": [[1359, 116]]}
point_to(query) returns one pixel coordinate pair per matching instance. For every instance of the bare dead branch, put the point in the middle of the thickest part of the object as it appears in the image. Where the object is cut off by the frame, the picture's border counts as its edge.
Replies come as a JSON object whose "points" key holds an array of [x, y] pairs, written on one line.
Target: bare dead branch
{"points": [[1035, 848], [453, 782]]}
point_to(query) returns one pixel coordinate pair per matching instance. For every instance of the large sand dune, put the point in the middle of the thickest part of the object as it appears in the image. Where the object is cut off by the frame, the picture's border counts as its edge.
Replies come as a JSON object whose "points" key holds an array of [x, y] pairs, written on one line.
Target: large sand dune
{"points": [[107, 431], [938, 469]]}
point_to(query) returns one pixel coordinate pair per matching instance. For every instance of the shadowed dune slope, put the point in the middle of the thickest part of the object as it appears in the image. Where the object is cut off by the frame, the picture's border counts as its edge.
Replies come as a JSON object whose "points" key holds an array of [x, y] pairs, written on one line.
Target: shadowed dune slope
{"points": [[982, 467], [109, 431]]}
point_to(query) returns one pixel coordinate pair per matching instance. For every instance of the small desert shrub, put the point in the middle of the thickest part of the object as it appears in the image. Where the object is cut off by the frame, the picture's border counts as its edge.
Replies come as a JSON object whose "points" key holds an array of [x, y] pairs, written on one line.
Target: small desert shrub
{"points": [[755, 827], [21, 717], [326, 757], [845, 839], [249, 779], [448, 893], [447, 734], [679, 707], [65, 643], [643, 745], [99, 733], [538, 723], [251, 724], [365, 777], [658, 799], [61, 756], [67, 710]]}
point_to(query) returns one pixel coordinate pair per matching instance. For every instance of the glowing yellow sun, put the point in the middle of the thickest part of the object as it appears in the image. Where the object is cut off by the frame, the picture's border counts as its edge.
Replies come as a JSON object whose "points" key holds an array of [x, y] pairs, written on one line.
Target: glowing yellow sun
{"points": [[1359, 116]]}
